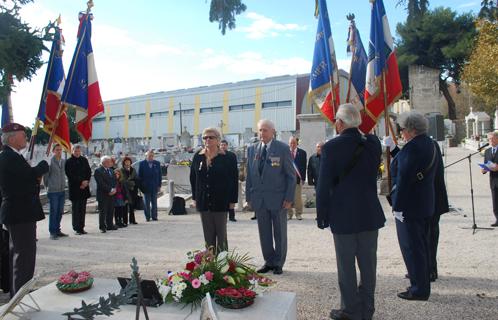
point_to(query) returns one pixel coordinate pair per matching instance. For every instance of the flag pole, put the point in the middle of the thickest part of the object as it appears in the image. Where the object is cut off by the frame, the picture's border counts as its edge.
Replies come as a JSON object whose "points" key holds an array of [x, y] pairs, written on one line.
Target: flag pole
{"points": [[34, 133], [59, 109], [352, 45]]}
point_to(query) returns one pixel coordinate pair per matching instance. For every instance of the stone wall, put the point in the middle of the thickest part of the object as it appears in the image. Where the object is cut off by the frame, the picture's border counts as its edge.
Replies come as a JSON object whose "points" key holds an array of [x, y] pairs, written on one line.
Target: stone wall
{"points": [[424, 90]]}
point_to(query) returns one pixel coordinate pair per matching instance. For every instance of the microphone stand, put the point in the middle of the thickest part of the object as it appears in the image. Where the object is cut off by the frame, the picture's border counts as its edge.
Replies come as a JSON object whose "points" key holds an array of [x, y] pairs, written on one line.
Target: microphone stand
{"points": [[474, 225]]}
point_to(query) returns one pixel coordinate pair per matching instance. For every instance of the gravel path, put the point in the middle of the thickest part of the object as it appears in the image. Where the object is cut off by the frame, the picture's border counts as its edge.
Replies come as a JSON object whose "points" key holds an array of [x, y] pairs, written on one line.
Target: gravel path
{"points": [[468, 264]]}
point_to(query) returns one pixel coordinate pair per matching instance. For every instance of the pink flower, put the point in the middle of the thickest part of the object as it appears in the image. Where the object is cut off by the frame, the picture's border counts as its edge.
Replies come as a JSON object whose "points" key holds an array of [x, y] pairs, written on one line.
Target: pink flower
{"points": [[209, 275], [72, 274], [196, 283]]}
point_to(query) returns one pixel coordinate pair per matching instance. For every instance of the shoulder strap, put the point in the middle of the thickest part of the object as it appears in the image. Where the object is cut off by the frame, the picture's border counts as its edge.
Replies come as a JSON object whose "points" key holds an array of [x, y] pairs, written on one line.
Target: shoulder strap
{"points": [[356, 155], [423, 173]]}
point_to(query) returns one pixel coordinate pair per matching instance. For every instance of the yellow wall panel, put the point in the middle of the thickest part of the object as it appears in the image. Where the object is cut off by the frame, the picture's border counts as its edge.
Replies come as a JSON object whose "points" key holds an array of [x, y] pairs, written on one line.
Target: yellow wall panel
{"points": [[257, 108], [126, 116], [147, 132], [225, 129], [171, 114], [107, 121], [197, 112]]}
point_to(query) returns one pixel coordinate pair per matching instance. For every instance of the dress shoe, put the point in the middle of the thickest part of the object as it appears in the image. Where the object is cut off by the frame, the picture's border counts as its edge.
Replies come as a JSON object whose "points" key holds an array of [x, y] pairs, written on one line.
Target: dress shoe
{"points": [[407, 295], [253, 218], [133, 222], [289, 218], [102, 231], [264, 269], [112, 228], [277, 270], [495, 224], [337, 314], [154, 219], [83, 232], [233, 220], [60, 234], [78, 232], [300, 218], [54, 237]]}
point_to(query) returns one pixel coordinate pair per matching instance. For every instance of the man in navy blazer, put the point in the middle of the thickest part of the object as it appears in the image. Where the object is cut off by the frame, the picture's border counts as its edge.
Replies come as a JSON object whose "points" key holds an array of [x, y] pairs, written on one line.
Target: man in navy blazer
{"points": [[149, 172], [270, 184], [491, 155], [299, 156], [347, 201], [413, 200]]}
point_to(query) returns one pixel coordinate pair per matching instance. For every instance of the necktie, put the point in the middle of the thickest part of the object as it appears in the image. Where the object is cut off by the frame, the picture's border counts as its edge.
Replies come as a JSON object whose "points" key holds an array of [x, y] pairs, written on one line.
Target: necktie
{"points": [[493, 151], [262, 160]]}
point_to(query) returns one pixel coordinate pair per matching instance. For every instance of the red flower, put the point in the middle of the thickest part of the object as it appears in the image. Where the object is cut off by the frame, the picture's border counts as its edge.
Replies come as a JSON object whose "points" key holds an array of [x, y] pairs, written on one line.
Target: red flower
{"points": [[231, 266], [190, 266]]}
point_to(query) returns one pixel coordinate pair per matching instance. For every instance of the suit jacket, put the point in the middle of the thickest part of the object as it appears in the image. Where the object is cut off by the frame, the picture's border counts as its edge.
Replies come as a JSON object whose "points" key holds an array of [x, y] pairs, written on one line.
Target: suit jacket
{"points": [[20, 188], [214, 189], [415, 198], [352, 205], [150, 178], [105, 183], [78, 170], [313, 169], [300, 161], [493, 176], [441, 204], [277, 181]]}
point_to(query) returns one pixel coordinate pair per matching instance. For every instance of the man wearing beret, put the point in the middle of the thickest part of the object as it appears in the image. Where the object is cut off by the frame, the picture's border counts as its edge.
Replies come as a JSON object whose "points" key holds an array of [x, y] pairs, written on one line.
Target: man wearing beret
{"points": [[21, 207]]}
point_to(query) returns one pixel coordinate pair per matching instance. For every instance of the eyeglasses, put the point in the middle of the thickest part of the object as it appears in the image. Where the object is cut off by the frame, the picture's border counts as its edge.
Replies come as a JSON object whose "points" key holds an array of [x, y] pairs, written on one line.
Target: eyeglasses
{"points": [[208, 137]]}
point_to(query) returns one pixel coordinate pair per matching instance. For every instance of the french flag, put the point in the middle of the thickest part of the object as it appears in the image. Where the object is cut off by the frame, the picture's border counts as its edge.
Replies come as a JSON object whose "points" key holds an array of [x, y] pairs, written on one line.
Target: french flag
{"points": [[382, 63], [82, 86], [324, 76]]}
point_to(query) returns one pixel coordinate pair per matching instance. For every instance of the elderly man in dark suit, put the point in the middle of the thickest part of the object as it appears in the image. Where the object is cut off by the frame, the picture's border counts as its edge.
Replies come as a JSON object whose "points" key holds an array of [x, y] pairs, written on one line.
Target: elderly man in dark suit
{"points": [[21, 207], [490, 155], [314, 165], [270, 186], [106, 189], [300, 158], [347, 201], [78, 174], [413, 201]]}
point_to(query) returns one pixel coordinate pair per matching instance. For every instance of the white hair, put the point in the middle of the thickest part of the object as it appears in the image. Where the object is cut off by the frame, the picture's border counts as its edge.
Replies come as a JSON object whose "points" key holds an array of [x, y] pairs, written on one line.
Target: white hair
{"points": [[413, 121], [6, 136], [349, 115], [75, 146], [104, 159], [267, 123]]}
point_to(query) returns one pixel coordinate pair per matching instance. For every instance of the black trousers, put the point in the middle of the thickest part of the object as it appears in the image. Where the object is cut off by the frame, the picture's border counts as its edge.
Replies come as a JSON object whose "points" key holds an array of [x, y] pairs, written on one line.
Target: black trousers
{"points": [[433, 243], [22, 246], [120, 214], [231, 214], [494, 197], [130, 211], [106, 213], [214, 226], [79, 212]]}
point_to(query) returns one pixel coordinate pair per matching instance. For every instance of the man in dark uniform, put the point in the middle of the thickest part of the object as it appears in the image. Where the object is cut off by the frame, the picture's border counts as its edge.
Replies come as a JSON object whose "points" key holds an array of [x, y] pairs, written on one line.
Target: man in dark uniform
{"points": [[490, 155], [314, 165], [21, 207], [233, 163], [106, 189]]}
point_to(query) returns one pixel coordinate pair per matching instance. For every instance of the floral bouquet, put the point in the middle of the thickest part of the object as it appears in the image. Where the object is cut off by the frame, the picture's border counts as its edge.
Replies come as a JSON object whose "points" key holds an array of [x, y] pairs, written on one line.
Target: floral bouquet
{"points": [[205, 272], [74, 281]]}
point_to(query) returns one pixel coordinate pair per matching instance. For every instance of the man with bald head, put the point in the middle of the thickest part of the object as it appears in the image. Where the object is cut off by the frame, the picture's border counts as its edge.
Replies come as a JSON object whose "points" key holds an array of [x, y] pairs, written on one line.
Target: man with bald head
{"points": [[270, 186]]}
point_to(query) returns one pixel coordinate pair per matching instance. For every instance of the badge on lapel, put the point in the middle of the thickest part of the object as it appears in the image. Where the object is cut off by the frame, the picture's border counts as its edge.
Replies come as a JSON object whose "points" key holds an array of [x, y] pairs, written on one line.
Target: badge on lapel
{"points": [[275, 161]]}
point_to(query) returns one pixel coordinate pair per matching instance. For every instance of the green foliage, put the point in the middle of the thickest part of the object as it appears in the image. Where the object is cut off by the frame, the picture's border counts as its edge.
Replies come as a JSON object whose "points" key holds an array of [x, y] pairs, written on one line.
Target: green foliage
{"points": [[489, 10], [415, 8], [481, 71], [440, 39], [224, 12]]}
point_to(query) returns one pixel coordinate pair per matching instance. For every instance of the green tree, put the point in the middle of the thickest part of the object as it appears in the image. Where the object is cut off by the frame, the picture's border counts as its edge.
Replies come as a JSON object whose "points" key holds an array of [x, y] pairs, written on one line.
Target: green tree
{"points": [[224, 12], [481, 71], [439, 39], [489, 10], [415, 8]]}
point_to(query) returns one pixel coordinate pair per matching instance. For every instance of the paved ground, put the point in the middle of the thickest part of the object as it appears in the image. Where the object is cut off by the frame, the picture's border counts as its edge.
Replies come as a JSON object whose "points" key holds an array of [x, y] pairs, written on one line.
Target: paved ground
{"points": [[467, 288]]}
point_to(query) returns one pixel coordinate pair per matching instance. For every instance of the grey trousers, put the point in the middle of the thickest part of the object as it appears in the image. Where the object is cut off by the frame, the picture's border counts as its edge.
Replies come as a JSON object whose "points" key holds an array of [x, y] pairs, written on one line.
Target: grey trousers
{"points": [[357, 300], [272, 226], [214, 225], [22, 246]]}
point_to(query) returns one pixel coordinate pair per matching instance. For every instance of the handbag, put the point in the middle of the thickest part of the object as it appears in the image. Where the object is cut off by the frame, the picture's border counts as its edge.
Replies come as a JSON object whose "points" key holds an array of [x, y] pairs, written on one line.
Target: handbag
{"points": [[139, 203]]}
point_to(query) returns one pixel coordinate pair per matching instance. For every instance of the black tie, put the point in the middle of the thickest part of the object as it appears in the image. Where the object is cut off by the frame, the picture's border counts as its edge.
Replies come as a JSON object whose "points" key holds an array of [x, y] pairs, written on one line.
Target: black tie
{"points": [[262, 160]]}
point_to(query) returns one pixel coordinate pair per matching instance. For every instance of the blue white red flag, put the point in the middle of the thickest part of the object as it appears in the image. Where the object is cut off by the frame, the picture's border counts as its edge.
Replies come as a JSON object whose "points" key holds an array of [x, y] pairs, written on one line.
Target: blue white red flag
{"points": [[356, 91], [51, 112], [324, 76], [382, 62], [82, 87]]}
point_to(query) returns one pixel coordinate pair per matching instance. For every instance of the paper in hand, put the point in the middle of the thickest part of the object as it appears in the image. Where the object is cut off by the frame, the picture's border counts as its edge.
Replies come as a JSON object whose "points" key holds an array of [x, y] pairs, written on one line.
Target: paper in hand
{"points": [[488, 166]]}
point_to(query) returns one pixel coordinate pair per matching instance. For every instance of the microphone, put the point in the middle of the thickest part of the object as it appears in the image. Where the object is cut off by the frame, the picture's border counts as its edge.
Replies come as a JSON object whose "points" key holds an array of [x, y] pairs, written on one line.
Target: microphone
{"points": [[482, 147]]}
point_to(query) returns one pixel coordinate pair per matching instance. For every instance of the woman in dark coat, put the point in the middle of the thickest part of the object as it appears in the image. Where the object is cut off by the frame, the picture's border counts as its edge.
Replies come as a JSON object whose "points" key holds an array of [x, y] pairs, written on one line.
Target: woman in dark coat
{"points": [[129, 178], [78, 174], [214, 183]]}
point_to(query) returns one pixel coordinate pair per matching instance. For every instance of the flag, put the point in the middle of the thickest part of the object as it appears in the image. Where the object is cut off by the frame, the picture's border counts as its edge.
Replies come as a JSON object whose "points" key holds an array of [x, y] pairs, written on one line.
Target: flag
{"points": [[381, 61], [82, 87], [5, 114], [356, 91], [324, 76], [51, 112]]}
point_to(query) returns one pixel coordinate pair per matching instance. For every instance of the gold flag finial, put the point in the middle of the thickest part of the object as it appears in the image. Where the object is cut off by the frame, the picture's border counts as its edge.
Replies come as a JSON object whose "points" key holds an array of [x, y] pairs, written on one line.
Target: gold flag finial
{"points": [[316, 9], [59, 20], [89, 5]]}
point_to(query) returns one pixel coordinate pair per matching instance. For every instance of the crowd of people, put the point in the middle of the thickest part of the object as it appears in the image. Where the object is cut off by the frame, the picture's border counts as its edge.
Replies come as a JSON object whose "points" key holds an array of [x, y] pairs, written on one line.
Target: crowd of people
{"points": [[275, 173]]}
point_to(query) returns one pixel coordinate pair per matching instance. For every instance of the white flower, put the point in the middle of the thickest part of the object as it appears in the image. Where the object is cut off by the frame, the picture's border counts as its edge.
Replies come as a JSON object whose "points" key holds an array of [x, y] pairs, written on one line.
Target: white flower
{"points": [[164, 290], [203, 279], [222, 256]]}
